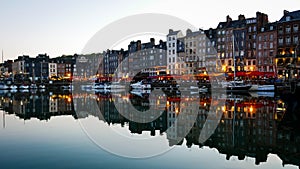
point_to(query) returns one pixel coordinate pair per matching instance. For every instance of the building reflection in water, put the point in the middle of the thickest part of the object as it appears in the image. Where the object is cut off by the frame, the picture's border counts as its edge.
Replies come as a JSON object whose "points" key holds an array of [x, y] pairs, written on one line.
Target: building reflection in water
{"points": [[249, 127]]}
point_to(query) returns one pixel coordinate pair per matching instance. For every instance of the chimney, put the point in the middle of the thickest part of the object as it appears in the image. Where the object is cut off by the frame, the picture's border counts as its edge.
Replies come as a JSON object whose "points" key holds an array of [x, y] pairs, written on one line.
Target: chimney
{"points": [[285, 12], [152, 40], [170, 30], [241, 17], [228, 19], [160, 41], [188, 31], [139, 45]]}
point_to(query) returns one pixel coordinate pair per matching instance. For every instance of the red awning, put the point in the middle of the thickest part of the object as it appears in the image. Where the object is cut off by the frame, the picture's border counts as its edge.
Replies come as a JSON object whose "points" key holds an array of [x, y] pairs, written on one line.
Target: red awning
{"points": [[253, 73]]}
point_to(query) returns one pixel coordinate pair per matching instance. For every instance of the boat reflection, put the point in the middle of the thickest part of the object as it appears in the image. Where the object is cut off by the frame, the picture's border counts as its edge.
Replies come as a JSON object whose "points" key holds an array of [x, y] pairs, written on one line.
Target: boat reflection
{"points": [[250, 126]]}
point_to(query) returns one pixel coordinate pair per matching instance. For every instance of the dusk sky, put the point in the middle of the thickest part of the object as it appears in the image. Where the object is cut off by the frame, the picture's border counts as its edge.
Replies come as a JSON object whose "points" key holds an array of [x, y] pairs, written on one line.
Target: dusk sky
{"points": [[63, 27]]}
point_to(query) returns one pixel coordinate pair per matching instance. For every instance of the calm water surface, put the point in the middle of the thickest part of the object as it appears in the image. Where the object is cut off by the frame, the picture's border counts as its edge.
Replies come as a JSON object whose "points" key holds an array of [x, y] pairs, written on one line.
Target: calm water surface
{"points": [[43, 130]]}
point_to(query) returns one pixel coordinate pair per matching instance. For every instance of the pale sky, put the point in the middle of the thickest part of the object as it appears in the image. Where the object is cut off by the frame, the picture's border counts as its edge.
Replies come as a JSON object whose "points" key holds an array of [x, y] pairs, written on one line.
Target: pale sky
{"points": [[59, 27]]}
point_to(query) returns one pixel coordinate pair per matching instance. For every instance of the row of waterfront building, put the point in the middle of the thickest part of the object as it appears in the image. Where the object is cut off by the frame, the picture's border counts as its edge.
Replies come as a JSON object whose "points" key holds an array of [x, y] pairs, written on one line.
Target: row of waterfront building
{"points": [[257, 45]]}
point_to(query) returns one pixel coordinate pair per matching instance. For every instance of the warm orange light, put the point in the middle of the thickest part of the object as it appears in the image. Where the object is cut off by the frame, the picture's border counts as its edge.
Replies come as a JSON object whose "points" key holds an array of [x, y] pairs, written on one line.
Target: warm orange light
{"points": [[224, 68], [251, 109], [224, 108], [177, 110]]}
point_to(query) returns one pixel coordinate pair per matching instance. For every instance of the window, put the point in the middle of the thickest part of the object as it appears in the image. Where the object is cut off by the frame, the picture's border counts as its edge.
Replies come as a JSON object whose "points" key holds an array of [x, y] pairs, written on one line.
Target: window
{"points": [[265, 45], [287, 18], [249, 29], [169, 38], [288, 40], [259, 38], [271, 37], [280, 30], [295, 29], [271, 44], [173, 44], [280, 40], [254, 28], [259, 46], [296, 40], [173, 51], [288, 29]]}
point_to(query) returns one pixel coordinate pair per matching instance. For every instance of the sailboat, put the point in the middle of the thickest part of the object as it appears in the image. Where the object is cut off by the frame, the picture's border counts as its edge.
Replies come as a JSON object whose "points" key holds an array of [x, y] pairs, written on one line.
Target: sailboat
{"points": [[236, 85]]}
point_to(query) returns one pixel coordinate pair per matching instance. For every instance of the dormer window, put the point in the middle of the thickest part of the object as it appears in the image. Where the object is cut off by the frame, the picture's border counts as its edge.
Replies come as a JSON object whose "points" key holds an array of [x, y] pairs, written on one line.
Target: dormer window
{"points": [[287, 18]]}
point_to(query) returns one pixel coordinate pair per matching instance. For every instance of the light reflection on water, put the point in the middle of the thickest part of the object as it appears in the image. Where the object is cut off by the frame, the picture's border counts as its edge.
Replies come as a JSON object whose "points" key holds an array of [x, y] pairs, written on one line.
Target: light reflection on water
{"points": [[39, 130]]}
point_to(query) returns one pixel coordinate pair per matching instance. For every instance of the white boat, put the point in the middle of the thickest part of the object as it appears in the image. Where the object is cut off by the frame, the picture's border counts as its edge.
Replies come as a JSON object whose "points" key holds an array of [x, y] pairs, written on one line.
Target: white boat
{"points": [[262, 94], [140, 85], [13, 87], [194, 87], [3, 86], [42, 86], [238, 86], [13, 90], [140, 92], [42, 90], [203, 89], [100, 86], [23, 87], [262, 88], [24, 90], [86, 87]]}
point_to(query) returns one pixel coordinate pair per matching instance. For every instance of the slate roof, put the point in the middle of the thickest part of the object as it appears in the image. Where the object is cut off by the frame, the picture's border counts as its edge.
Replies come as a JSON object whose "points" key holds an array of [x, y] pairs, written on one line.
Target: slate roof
{"points": [[295, 15]]}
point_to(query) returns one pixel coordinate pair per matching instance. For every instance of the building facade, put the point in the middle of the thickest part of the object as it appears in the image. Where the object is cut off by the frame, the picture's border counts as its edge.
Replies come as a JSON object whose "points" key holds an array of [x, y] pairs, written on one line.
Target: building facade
{"points": [[266, 48], [174, 47], [287, 58]]}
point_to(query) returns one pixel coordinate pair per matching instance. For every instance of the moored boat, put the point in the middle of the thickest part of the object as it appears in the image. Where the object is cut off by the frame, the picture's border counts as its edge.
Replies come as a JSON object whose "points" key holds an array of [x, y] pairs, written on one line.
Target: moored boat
{"points": [[140, 85], [262, 88]]}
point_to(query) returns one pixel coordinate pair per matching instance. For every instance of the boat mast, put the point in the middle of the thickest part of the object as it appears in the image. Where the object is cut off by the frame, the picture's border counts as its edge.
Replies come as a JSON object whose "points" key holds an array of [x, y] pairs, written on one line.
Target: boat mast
{"points": [[2, 55], [233, 55], [3, 119]]}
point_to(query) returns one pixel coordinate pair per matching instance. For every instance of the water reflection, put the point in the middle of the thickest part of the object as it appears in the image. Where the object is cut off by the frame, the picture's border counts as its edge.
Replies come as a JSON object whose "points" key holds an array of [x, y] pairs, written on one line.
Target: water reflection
{"points": [[250, 125]]}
